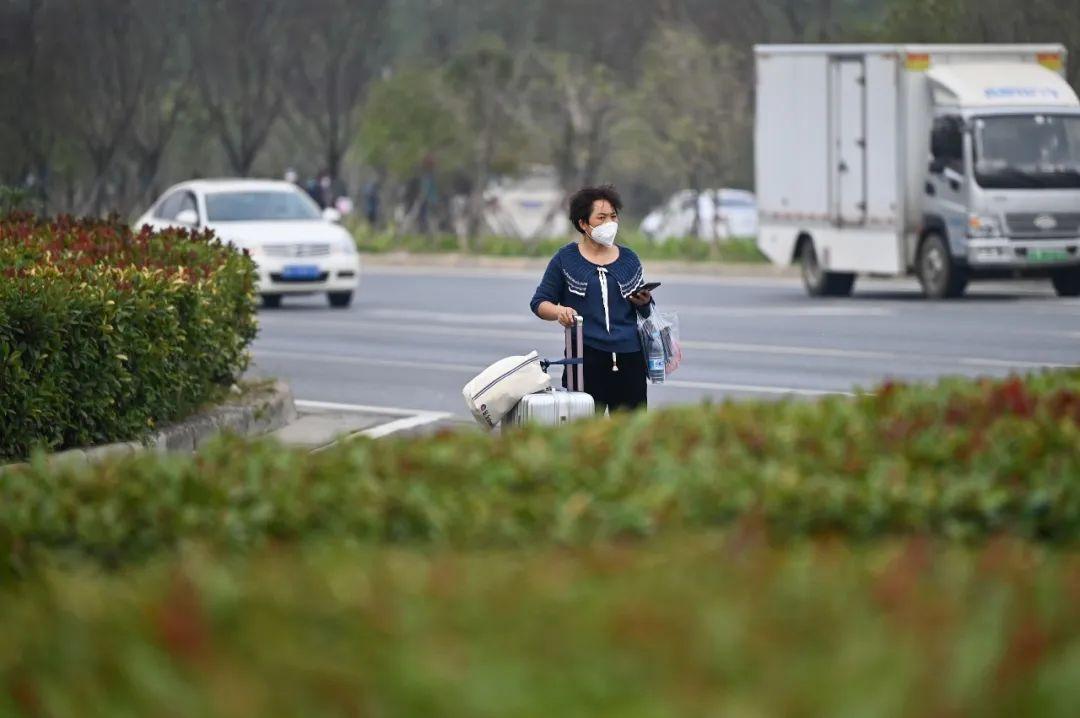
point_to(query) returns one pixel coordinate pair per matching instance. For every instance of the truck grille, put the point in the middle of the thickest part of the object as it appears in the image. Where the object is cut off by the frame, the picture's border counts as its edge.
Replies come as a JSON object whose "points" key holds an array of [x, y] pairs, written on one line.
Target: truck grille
{"points": [[297, 250], [1043, 225]]}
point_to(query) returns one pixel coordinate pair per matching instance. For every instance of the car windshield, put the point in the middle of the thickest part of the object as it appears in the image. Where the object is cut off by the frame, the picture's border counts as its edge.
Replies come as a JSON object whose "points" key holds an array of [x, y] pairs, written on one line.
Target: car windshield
{"points": [[1025, 151], [258, 205]]}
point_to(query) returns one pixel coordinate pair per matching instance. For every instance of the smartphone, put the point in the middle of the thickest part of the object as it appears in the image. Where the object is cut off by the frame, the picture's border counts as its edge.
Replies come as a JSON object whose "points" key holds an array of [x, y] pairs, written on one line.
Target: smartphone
{"points": [[648, 287]]}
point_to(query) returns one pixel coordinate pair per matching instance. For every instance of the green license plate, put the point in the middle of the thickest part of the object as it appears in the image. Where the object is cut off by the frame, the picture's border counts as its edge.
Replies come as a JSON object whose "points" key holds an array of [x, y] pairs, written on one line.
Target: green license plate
{"points": [[1047, 255]]}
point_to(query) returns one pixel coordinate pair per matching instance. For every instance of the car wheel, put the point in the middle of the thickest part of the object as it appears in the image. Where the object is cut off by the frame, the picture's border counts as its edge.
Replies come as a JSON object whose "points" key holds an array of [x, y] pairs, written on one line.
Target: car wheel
{"points": [[1066, 282], [817, 281], [271, 301], [939, 275], [339, 299]]}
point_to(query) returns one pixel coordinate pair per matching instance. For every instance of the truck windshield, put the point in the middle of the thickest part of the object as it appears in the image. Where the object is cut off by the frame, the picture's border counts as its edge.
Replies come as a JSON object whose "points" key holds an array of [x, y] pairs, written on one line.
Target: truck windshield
{"points": [[1027, 151]]}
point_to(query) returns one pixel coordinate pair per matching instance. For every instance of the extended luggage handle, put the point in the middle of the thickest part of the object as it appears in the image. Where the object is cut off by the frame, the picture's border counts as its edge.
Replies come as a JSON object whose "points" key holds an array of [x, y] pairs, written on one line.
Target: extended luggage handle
{"points": [[545, 363], [575, 352]]}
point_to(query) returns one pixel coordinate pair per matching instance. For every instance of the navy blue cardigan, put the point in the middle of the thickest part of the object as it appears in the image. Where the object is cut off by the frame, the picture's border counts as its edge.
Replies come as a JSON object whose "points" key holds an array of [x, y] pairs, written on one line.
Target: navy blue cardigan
{"points": [[573, 281]]}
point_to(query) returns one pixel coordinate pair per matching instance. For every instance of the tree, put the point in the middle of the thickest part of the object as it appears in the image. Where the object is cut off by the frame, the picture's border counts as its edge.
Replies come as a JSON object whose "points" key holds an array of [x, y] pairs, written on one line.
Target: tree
{"points": [[28, 107], [102, 80], [692, 106], [408, 123], [340, 48], [576, 104], [484, 80], [164, 99], [240, 50], [983, 21]]}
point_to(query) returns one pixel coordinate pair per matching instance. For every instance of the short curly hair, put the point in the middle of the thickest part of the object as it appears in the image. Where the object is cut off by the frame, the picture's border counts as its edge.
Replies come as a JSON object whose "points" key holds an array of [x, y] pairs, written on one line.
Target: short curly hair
{"points": [[581, 203]]}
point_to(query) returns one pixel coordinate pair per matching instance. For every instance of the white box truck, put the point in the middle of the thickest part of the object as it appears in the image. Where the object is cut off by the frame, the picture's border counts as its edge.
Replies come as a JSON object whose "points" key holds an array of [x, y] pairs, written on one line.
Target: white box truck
{"points": [[949, 162]]}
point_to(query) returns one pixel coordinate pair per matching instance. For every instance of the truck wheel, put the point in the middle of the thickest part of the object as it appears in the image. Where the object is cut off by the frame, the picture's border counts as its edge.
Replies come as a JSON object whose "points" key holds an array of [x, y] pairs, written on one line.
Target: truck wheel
{"points": [[938, 274], [271, 301], [1067, 282], [817, 281]]}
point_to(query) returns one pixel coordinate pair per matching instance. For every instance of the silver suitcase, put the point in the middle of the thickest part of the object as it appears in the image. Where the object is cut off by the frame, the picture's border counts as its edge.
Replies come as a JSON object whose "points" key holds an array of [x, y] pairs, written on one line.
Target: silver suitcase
{"points": [[555, 406]]}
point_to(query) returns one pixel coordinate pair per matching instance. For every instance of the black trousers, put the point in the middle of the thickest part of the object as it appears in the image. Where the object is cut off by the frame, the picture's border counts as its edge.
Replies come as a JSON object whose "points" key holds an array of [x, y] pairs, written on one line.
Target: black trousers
{"points": [[614, 390]]}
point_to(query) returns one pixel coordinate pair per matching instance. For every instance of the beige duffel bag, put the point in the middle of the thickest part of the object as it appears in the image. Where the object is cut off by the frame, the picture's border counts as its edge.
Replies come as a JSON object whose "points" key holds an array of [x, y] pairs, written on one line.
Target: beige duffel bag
{"points": [[498, 389]]}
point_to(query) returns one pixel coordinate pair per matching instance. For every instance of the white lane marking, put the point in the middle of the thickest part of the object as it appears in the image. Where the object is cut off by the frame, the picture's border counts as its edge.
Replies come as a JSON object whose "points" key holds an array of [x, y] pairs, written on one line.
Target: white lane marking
{"points": [[364, 361], [790, 350], [453, 272], [533, 275], [402, 425], [521, 318], [771, 278], [361, 326], [783, 311], [411, 418], [752, 388], [451, 317], [360, 408], [679, 384], [1015, 363], [692, 310]]}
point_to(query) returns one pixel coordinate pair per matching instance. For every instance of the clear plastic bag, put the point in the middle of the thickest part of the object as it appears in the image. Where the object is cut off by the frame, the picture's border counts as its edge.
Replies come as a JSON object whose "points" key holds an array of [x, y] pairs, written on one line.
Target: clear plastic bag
{"points": [[659, 334]]}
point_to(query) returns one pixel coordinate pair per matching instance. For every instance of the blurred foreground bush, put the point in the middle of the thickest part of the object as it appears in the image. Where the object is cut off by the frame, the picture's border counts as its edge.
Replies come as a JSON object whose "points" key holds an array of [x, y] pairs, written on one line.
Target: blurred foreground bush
{"points": [[716, 624], [105, 333], [963, 459]]}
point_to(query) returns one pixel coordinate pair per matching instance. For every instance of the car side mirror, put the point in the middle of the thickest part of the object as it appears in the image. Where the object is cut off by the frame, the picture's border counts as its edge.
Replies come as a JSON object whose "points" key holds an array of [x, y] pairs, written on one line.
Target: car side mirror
{"points": [[331, 215], [187, 216]]}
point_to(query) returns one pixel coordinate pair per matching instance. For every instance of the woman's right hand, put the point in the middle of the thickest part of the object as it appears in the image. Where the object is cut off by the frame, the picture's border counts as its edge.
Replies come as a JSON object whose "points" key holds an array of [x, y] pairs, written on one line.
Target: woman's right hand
{"points": [[565, 315]]}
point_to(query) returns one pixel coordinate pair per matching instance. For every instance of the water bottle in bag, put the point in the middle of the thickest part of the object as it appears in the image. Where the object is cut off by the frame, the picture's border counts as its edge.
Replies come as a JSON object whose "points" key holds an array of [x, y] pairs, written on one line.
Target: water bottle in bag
{"points": [[655, 358]]}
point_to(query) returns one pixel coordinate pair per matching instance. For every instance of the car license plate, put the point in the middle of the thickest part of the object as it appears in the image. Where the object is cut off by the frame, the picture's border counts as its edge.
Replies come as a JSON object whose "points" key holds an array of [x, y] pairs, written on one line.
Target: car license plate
{"points": [[1048, 255], [300, 271]]}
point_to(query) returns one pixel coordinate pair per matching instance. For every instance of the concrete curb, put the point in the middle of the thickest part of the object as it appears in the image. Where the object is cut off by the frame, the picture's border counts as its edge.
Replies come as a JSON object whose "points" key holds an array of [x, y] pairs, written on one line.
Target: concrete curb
{"points": [[260, 412], [453, 260]]}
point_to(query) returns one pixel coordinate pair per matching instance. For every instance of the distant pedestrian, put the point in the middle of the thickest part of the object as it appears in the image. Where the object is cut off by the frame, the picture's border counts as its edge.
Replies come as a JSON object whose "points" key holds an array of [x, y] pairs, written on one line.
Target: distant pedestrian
{"points": [[602, 282], [314, 191], [371, 201], [326, 190]]}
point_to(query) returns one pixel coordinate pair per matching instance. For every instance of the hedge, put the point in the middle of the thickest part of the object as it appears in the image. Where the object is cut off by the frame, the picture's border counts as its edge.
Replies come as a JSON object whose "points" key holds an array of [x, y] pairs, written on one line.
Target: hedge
{"points": [[691, 249], [105, 333], [706, 625], [962, 459]]}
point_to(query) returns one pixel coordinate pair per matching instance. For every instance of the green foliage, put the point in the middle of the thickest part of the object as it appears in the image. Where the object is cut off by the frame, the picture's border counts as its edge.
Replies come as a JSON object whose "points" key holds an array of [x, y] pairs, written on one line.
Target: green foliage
{"points": [[708, 625], [689, 249], [484, 80], [13, 199], [963, 459], [406, 120], [985, 21], [105, 333], [704, 142], [692, 249]]}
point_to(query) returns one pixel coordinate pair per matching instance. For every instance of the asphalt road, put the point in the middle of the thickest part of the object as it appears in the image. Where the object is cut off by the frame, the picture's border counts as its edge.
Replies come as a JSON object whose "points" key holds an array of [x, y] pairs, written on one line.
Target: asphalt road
{"points": [[415, 336]]}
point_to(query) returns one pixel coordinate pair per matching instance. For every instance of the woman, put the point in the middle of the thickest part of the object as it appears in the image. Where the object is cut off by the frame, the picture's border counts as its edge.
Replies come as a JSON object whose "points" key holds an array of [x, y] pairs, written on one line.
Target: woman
{"points": [[602, 282]]}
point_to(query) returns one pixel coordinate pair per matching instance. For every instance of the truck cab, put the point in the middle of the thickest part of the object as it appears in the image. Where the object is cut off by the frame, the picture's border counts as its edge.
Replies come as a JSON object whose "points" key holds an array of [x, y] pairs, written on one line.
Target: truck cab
{"points": [[1002, 187]]}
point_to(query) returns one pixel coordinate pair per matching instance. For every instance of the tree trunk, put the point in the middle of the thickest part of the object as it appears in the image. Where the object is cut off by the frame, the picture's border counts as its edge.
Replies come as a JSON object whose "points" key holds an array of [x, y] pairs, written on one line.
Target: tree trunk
{"points": [[825, 22]]}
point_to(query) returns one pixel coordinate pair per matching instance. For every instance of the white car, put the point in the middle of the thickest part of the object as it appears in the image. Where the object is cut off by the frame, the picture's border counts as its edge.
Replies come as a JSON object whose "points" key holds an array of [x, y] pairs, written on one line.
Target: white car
{"points": [[722, 213], [296, 248]]}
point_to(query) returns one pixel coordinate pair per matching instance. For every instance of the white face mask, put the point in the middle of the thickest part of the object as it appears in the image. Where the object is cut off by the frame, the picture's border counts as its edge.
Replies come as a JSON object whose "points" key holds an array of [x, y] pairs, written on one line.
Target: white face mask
{"points": [[605, 233]]}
